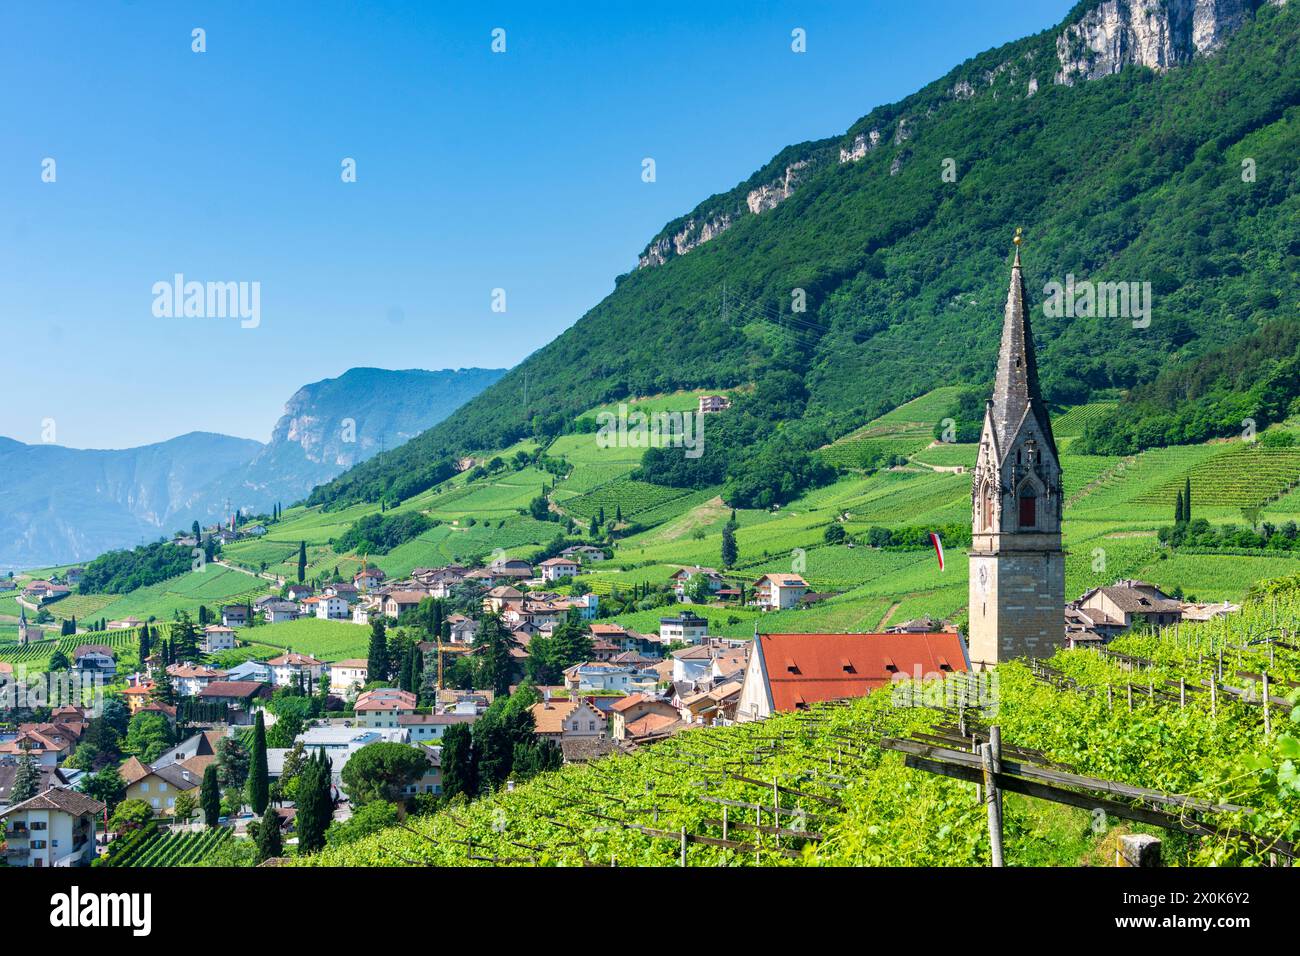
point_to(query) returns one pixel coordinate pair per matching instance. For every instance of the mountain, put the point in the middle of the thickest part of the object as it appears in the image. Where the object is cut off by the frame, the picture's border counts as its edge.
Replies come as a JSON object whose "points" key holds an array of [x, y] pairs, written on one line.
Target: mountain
{"points": [[65, 504], [1149, 141], [334, 424], [59, 505]]}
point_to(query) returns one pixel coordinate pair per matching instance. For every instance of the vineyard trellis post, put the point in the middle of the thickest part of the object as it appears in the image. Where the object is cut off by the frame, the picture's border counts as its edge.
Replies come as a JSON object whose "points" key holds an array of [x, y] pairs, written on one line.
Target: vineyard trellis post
{"points": [[991, 756]]}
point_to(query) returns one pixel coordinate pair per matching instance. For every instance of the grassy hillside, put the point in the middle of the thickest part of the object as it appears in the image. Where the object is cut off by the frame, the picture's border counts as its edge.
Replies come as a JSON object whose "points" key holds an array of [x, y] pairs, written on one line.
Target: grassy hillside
{"points": [[1135, 177]]}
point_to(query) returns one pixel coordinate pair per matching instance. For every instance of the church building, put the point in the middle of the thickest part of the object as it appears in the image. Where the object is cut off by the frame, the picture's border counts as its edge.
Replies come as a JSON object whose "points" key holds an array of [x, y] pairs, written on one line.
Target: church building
{"points": [[1017, 567]]}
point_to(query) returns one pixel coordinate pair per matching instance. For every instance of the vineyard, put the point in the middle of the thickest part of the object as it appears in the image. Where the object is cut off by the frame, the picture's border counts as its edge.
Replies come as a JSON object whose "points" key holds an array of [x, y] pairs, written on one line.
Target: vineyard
{"points": [[38, 652], [171, 849], [1252, 476], [1173, 728]]}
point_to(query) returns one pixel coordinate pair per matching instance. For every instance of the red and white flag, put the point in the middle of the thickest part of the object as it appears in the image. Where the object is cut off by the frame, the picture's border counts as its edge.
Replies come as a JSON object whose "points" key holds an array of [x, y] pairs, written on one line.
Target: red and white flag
{"points": [[938, 548]]}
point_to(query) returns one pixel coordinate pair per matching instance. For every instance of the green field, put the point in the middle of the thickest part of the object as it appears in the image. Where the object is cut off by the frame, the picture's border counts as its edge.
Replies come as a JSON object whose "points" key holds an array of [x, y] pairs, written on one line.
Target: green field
{"points": [[323, 640]]}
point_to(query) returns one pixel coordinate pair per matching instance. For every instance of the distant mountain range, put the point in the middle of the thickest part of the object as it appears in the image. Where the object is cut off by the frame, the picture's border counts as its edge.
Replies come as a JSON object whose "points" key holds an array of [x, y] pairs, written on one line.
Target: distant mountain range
{"points": [[59, 505]]}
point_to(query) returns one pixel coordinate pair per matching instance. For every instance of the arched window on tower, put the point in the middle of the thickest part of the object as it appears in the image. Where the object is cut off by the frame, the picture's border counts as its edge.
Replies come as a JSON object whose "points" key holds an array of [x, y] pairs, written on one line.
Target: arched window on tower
{"points": [[1028, 506], [986, 506]]}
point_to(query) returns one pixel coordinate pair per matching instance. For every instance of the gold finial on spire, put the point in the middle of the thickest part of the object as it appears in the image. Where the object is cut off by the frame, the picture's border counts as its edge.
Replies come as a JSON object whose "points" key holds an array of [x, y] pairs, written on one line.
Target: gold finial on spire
{"points": [[1016, 240]]}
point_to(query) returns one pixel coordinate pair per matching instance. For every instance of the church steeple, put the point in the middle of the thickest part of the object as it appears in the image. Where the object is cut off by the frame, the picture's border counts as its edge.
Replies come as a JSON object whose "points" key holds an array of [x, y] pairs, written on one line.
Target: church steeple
{"points": [[1017, 567], [1016, 389]]}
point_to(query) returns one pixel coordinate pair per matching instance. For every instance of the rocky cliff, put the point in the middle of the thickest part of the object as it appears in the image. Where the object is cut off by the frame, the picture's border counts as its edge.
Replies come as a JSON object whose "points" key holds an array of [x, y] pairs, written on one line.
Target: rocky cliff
{"points": [[1096, 41]]}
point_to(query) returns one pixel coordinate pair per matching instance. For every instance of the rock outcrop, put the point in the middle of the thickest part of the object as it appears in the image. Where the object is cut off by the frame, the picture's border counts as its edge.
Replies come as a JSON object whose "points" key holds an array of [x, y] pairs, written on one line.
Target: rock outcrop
{"points": [[1152, 33], [774, 193]]}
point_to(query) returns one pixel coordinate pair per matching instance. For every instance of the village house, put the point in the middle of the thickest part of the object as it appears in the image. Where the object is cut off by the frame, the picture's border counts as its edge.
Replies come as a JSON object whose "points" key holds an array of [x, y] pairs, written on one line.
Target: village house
{"points": [[250, 670], [240, 698], [159, 786], [326, 607], [288, 668], [72, 576], [92, 660], [779, 592], [1127, 603], [682, 581], [125, 624], [348, 677], [190, 679], [583, 553], [46, 778], [461, 629], [555, 569], [217, 637], [340, 590], [368, 578], [714, 706], [511, 569], [431, 781], [596, 676], [685, 628], [298, 592], [788, 672], [710, 404], [234, 615], [383, 706], [398, 602], [277, 612], [501, 597], [53, 829], [429, 728], [633, 707], [557, 720]]}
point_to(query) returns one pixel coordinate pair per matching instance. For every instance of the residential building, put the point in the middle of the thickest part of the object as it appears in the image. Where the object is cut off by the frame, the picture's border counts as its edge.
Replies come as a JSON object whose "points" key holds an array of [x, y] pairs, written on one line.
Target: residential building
{"points": [[709, 404], [383, 706], [217, 637], [558, 720], [190, 679], [398, 602], [429, 728], [288, 668], [277, 612], [53, 829], [94, 659], [682, 581], [234, 615], [685, 628], [241, 698], [556, 569], [47, 778], [633, 707], [1127, 603], [779, 592], [348, 677]]}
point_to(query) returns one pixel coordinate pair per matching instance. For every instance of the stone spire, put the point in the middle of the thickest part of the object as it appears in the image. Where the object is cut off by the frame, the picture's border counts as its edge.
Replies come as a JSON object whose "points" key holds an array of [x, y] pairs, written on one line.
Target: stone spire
{"points": [[1015, 389]]}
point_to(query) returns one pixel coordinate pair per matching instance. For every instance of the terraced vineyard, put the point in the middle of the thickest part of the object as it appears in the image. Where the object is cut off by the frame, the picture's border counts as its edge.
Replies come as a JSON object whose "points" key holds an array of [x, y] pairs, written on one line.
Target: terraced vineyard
{"points": [[1074, 420], [1250, 475], [816, 788], [175, 849], [38, 653]]}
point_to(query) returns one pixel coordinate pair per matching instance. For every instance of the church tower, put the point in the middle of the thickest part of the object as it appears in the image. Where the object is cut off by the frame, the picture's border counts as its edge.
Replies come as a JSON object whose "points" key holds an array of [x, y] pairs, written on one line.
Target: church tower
{"points": [[23, 635], [1017, 567]]}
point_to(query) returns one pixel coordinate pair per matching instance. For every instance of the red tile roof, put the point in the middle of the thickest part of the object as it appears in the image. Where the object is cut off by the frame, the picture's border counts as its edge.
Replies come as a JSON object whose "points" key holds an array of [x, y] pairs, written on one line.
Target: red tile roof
{"points": [[806, 668]]}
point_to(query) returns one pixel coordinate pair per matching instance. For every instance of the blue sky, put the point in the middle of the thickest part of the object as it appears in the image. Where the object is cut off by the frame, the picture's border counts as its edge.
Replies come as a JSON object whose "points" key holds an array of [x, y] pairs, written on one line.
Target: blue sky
{"points": [[475, 171]]}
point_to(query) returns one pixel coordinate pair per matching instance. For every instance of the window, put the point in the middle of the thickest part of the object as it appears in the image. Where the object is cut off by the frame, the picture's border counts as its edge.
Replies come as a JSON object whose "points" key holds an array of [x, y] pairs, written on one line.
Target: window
{"points": [[144, 788], [1028, 507]]}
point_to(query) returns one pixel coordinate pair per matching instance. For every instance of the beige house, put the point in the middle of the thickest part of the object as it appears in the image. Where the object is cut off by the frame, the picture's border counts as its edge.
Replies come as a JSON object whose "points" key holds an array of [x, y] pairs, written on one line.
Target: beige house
{"points": [[348, 677], [779, 592], [558, 720]]}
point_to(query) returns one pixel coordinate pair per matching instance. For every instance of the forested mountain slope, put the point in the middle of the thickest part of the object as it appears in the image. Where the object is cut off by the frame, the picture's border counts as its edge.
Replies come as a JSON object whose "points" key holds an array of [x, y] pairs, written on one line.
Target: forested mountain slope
{"points": [[1182, 177]]}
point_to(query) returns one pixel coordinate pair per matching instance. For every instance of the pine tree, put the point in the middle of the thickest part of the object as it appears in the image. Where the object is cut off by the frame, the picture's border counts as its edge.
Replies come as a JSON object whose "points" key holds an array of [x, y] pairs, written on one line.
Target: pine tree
{"points": [[302, 561], [258, 781], [210, 796], [729, 552], [377, 659]]}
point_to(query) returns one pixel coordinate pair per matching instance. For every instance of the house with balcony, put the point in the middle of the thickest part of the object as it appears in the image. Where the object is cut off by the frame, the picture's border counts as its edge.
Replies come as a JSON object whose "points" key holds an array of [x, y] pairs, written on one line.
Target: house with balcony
{"points": [[53, 829], [92, 660]]}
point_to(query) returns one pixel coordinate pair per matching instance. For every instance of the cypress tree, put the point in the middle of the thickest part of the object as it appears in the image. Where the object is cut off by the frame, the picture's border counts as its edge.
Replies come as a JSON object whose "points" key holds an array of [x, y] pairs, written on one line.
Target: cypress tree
{"points": [[1178, 509], [302, 561], [210, 796], [258, 781], [729, 552], [27, 779], [377, 659], [315, 805], [1187, 499], [267, 834]]}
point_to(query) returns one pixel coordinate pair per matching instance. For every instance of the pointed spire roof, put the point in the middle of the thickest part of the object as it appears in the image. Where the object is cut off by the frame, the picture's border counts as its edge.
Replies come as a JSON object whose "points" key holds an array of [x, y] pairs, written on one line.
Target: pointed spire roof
{"points": [[1015, 390]]}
